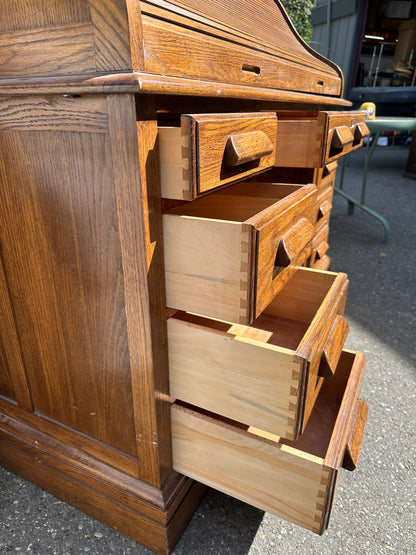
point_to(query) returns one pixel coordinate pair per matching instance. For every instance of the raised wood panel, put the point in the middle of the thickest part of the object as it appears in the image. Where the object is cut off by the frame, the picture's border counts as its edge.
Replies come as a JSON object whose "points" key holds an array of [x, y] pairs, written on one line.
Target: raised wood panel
{"points": [[154, 517], [13, 379], [51, 51], [30, 14], [111, 34], [64, 38], [54, 113], [55, 431], [6, 381], [61, 249]]}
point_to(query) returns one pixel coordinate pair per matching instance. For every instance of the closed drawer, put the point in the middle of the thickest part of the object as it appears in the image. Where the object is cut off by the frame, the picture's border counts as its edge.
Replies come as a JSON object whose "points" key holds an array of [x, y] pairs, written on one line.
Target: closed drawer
{"points": [[320, 245], [228, 254], [326, 176], [314, 142], [324, 206], [268, 374], [293, 480], [211, 150]]}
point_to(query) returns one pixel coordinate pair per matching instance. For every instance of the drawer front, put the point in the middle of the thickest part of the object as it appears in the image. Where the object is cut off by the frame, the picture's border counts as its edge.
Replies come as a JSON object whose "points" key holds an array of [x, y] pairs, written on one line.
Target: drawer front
{"points": [[257, 374], [283, 244], [326, 176], [320, 244], [228, 254], [322, 263], [317, 300], [315, 142], [295, 481], [212, 150], [343, 132], [324, 206]]}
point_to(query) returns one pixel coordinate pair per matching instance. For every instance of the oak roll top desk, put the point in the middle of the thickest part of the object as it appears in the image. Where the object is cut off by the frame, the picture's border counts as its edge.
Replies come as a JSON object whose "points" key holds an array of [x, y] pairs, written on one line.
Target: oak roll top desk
{"points": [[181, 154]]}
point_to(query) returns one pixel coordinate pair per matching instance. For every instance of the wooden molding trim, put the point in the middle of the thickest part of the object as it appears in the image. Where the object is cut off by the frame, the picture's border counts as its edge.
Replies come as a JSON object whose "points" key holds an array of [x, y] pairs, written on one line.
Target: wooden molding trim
{"points": [[138, 82], [155, 518]]}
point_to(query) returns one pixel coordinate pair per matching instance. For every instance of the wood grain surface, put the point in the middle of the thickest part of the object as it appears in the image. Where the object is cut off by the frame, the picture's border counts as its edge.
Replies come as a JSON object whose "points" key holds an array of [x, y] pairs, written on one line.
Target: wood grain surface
{"points": [[52, 38], [243, 48], [196, 157], [294, 480], [224, 370], [220, 250], [259, 471], [352, 451]]}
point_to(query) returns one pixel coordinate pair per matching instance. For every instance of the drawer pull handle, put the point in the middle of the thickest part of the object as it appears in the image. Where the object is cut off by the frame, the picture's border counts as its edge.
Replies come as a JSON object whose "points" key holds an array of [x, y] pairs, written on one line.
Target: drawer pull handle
{"points": [[328, 168], [352, 450], [360, 131], [333, 348], [293, 242], [324, 209], [341, 137], [246, 147], [321, 250]]}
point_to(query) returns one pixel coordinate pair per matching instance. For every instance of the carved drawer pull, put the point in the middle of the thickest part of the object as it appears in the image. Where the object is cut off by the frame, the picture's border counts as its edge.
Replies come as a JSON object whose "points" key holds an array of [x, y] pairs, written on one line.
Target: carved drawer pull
{"points": [[293, 242], [328, 168], [333, 348], [322, 250], [360, 131], [352, 450], [246, 147], [341, 137], [324, 209]]}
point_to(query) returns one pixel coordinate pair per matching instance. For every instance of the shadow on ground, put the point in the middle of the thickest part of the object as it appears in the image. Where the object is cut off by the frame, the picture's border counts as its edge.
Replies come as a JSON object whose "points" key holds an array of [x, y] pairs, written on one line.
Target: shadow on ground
{"points": [[382, 292]]}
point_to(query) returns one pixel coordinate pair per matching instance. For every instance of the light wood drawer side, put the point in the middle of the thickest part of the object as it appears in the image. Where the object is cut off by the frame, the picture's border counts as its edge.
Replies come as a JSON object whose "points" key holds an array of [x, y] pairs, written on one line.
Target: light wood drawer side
{"points": [[295, 481], [266, 375], [212, 150], [229, 253], [315, 142]]}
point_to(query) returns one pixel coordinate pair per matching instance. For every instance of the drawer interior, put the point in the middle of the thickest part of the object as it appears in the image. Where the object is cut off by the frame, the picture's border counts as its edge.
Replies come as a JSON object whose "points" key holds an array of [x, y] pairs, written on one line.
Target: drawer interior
{"points": [[295, 480], [316, 438], [286, 319], [318, 432], [237, 203], [295, 307]]}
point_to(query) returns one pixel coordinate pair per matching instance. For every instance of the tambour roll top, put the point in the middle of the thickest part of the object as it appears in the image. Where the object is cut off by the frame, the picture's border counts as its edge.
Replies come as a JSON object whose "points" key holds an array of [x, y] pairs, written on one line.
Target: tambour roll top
{"points": [[241, 43]]}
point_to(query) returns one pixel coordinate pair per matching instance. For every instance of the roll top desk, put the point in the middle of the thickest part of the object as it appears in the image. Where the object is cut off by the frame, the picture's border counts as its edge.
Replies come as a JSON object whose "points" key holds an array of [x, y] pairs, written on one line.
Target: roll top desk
{"points": [[167, 316]]}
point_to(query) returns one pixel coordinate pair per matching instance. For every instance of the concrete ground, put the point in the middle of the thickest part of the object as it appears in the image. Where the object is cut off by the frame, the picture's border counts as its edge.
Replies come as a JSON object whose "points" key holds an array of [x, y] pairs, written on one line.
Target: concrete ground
{"points": [[374, 511]]}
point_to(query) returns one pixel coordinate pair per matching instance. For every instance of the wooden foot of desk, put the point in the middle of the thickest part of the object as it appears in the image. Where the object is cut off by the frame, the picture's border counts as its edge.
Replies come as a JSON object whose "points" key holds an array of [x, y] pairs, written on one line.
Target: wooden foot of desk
{"points": [[155, 518]]}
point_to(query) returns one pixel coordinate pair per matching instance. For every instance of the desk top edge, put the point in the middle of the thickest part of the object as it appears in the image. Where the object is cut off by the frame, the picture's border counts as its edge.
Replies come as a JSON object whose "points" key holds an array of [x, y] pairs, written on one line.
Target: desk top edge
{"points": [[144, 83]]}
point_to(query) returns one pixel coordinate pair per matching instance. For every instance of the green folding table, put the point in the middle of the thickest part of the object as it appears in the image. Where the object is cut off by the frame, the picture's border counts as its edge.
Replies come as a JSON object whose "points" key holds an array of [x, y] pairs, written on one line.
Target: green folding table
{"points": [[377, 126]]}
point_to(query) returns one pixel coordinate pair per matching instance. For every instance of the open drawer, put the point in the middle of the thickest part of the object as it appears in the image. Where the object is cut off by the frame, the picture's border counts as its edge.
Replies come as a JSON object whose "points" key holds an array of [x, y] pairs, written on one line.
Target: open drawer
{"points": [[266, 375], [228, 254], [314, 142], [211, 150], [293, 480]]}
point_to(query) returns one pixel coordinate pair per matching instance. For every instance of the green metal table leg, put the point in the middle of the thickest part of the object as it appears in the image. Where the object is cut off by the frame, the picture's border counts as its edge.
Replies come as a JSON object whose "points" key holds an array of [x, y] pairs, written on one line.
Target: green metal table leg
{"points": [[366, 165], [352, 202], [379, 217]]}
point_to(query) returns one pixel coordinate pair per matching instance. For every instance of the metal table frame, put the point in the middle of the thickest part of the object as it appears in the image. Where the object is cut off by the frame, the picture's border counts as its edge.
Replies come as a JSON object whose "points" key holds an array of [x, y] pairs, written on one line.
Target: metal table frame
{"points": [[377, 127]]}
